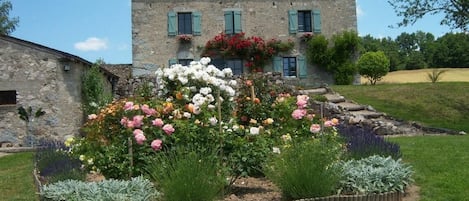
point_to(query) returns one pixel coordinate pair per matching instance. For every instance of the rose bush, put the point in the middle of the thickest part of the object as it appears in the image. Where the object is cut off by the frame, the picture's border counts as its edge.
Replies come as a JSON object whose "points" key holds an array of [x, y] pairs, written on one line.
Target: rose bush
{"points": [[197, 106]]}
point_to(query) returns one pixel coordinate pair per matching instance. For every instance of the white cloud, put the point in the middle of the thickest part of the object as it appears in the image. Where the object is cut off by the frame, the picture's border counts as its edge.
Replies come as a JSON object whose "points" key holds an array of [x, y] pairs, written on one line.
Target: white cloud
{"points": [[360, 11], [92, 44]]}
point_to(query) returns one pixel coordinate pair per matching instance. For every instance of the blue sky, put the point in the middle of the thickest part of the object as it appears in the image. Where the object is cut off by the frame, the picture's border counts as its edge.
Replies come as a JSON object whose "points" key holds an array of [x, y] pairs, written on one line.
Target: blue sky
{"points": [[94, 29]]}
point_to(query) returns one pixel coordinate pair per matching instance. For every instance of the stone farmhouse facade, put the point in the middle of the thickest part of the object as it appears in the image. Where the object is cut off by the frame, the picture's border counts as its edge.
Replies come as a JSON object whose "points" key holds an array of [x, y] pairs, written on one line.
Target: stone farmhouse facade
{"points": [[40, 77], [157, 24]]}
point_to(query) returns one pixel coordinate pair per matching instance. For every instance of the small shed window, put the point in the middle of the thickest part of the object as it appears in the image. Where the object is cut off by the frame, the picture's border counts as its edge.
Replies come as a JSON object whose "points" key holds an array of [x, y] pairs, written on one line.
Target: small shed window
{"points": [[8, 97]]}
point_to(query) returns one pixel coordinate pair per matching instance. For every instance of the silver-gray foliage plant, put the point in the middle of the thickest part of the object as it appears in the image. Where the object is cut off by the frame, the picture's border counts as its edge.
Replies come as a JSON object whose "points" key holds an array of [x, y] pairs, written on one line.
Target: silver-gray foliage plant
{"points": [[137, 189], [374, 174]]}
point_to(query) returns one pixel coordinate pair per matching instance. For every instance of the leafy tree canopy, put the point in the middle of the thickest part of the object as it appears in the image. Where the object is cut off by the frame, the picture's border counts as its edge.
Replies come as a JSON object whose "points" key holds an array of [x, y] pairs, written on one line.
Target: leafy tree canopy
{"points": [[7, 25], [456, 11]]}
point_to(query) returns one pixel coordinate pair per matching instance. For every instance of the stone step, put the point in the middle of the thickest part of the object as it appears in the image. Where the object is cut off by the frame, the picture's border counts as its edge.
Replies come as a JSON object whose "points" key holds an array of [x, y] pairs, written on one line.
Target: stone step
{"points": [[317, 91], [334, 98], [350, 106], [367, 114]]}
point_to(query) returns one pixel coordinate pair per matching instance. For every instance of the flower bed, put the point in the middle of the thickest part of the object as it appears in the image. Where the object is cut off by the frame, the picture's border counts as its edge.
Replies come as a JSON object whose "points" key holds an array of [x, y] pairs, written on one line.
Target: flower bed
{"points": [[390, 196]]}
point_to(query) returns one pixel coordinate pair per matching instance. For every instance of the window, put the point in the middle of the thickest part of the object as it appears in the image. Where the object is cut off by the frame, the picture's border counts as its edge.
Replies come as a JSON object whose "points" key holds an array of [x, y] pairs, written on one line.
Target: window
{"points": [[185, 62], [184, 23], [236, 65], [289, 66], [233, 22], [8, 97], [304, 21]]}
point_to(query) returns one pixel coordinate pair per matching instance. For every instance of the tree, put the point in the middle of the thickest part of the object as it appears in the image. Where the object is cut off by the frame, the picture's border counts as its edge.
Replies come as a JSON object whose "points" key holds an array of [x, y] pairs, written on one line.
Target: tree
{"points": [[373, 66], [7, 25], [456, 11]]}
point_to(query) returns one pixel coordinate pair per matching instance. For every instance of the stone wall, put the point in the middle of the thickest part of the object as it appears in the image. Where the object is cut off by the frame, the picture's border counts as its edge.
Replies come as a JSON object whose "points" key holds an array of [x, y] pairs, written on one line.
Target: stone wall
{"points": [[38, 76], [152, 47]]}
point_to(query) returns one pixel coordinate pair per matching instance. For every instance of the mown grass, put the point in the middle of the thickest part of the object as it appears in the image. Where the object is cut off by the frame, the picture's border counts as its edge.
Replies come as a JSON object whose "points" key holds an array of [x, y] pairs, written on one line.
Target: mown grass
{"points": [[440, 164], [443, 104], [16, 179]]}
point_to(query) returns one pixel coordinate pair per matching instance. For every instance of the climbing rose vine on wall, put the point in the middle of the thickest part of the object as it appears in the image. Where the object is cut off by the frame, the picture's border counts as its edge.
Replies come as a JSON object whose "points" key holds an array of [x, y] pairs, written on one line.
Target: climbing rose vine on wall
{"points": [[254, 50]]}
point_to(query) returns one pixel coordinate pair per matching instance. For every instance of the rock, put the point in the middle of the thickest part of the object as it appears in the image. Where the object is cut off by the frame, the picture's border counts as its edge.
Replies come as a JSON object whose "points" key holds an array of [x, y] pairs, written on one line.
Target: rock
{"points": [[462, 133]]}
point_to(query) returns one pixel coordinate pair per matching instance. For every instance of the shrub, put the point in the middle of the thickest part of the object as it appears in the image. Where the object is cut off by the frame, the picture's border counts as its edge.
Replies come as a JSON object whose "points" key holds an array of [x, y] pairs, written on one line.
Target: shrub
{"points": [[304, 170], [363, 142], [137, 189], [374, 174], [93, 92], [373, 66], [188, 175], [54, 163]]}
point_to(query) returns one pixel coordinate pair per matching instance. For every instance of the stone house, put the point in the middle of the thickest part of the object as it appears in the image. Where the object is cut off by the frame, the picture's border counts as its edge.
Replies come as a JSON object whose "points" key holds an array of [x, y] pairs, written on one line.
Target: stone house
{"points": [[40, 77], [157, 25]]}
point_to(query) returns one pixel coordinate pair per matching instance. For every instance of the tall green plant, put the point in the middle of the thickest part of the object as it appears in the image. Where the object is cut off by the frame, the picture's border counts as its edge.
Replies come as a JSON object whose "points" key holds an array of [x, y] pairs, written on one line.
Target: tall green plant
{"points": [[373, 66], [435, 75], [336, 55], [93, 93]]}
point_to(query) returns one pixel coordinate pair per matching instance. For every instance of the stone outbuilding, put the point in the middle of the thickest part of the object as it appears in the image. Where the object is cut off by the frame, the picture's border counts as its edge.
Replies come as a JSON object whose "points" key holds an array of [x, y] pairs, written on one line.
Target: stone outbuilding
{"points": [[41, 77], [159, 25]]}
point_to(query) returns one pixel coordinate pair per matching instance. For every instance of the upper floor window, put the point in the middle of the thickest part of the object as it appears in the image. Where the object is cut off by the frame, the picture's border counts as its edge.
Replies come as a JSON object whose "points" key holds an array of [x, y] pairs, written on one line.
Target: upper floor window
{"points": [[233, 22], [8, 97], [184, 23], [304, 21], [291, 66]]}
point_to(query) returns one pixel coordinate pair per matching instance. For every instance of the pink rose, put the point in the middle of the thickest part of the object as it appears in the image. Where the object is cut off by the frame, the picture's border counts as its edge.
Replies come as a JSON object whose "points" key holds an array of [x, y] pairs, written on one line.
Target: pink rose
{"points": [[328, 123], [140, 138], [298, 113], [156, 144], [138, 132], [138, 121], [129, 105], [157, 122], [168, 129], [147, 110], [124, 121], [301, 103], [92, 116], [315, 128]]}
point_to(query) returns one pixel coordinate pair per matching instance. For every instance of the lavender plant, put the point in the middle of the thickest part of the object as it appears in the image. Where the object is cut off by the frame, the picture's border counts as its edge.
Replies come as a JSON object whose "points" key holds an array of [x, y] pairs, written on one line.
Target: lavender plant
{"points": [[363, 142]]}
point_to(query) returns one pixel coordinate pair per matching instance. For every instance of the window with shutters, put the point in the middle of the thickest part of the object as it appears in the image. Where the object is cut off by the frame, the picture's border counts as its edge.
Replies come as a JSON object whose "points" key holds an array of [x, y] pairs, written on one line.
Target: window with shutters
{"points": [[304, 21], [184, 23], [233, 22], [289, 66], [8, 97]]}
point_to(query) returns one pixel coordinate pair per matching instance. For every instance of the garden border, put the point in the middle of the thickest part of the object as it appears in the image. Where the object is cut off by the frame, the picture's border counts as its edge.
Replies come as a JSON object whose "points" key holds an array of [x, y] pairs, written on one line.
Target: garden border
{"points": [[389, 196]]}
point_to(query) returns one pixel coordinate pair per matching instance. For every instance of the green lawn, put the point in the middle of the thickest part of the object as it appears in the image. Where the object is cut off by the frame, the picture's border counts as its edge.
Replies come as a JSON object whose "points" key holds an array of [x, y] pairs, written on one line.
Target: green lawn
{"points": [[16, 179], [441, 165], [444, 105]]}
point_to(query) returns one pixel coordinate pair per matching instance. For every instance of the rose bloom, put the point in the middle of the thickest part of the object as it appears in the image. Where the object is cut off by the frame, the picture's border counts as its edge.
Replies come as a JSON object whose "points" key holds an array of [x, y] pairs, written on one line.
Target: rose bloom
{"points": [[147, 110], [268, 121], [137, 132], [213, 121], [138, 121], [140, 138], [124, 121], [298, 113], [92, 116], [129, 105], [158, 122], [328, 123], [254, 130], [168, 129], [248, 83], [315, 128], [253, 121], [156, 144]]}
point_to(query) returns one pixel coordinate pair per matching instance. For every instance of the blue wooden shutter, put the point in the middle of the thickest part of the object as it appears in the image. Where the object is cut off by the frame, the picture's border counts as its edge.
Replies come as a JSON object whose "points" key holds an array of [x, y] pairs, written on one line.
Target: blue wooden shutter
{"points": [[196, 24], [303, 72], [316, 21], [237, 22], [277, 62], [229, 22], [293, 21], [172, 61], [172, 23]]}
